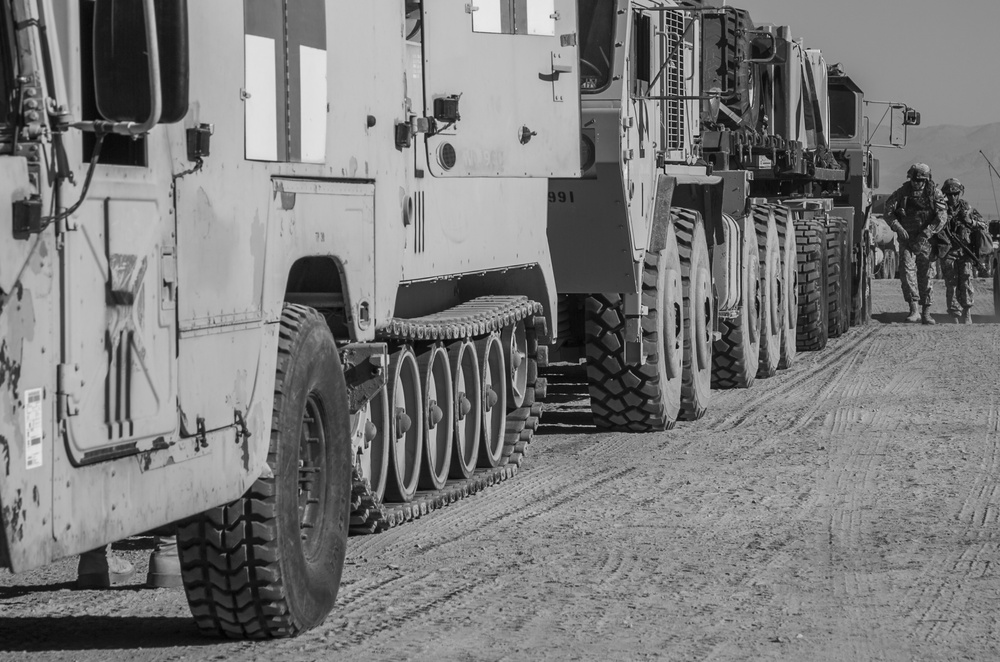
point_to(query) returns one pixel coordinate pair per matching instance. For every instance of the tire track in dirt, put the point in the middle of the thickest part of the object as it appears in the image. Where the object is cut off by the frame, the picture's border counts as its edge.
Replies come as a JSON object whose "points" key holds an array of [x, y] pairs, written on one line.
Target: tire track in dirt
{"points": [[951, 585], [805, 381]]}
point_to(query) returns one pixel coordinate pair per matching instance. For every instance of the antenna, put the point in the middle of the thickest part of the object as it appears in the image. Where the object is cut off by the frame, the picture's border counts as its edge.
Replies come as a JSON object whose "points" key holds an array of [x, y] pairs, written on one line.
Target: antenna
{"points": [[993, 185]]}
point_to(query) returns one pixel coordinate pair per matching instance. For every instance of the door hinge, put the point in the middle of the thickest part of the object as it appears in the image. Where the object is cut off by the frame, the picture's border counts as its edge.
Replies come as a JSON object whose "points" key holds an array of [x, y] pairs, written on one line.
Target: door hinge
{"points": [[69, 386]]}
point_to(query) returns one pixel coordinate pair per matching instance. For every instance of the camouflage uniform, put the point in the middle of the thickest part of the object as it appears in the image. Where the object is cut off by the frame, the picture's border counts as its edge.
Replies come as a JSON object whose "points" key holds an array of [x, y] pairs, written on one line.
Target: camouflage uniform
{"points": [[921, 215], [958, 267]]}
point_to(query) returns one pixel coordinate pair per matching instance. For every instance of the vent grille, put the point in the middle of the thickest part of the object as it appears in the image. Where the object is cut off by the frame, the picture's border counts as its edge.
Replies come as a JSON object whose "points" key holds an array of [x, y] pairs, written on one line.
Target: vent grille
{"points": [[418, 222], [672, 81]]}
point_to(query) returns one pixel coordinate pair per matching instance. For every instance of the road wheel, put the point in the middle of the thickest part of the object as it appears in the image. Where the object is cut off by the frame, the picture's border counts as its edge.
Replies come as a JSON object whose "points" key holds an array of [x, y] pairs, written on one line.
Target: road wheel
{"points": [[698, 321], [269, 564], [370, 441], [769, 252], [468, 408], [406, 426], [493, 390], [836, 244], [789, 289], [638, 398], [438, 411], [737, 351], [812, 326]]}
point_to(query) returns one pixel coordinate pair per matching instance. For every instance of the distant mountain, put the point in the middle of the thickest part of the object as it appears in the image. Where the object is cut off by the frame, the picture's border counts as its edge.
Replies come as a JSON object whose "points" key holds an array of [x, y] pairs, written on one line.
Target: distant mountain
{"points": [[951, 151]]}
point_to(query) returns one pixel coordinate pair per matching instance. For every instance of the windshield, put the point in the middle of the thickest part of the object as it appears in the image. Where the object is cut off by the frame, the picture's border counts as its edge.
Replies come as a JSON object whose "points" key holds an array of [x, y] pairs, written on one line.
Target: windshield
{"points": [[597, 37], [843, 113]]}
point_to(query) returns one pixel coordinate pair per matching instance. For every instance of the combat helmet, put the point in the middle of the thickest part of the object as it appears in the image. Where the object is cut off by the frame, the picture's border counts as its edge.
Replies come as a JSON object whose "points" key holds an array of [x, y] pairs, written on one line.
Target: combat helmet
{"points": [[952, 185], [921, 170]]}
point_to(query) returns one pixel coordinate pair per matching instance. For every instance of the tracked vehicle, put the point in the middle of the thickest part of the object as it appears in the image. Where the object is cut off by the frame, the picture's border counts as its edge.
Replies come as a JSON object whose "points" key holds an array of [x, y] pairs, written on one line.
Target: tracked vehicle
{"points": [[282, 260]]}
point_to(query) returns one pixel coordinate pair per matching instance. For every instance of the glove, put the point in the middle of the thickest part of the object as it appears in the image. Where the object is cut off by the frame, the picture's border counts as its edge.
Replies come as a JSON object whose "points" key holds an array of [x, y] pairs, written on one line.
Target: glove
{"points": [[903, 234]]}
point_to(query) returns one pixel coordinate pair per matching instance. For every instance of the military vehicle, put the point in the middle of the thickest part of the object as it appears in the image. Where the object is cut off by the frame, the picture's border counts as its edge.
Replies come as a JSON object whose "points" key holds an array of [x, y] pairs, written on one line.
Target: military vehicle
{"points": [[283, 261]]}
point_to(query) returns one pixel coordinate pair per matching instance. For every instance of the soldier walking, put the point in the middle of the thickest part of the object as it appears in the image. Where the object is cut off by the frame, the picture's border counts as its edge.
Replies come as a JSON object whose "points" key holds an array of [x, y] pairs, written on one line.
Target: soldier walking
{"points": [[917, 211], [957, 264]]}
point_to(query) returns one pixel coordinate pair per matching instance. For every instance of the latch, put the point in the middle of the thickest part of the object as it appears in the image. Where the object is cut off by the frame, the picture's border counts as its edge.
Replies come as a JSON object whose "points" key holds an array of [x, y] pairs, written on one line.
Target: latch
{"points": [[635, 311], [69, 387], [168, 278], [559, 66]]}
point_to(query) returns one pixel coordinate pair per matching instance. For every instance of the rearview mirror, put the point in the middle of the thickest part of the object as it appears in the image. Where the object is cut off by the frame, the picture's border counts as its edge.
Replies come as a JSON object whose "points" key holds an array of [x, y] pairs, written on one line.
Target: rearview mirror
{"points": [[911, 117], [897, 125]]}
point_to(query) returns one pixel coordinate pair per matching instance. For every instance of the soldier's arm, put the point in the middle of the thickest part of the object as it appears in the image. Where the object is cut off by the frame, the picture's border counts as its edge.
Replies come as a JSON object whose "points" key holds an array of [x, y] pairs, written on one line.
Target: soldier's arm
{"points": [[941, 214]]}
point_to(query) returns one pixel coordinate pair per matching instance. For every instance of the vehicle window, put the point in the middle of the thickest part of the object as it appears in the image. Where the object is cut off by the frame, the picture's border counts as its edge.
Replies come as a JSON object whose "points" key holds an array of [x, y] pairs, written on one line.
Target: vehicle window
{"points": [[597, 38], [531, 17], [843, 113]]}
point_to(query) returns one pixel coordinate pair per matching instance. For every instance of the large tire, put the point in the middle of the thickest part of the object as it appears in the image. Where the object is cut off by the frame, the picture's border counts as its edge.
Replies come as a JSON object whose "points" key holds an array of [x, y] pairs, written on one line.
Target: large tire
{"points": [[837, 279], [789, 289], [861, 312], [638, 398], [737, 352], [699, 313], [812, 327], [769, 252], [269, 564]]}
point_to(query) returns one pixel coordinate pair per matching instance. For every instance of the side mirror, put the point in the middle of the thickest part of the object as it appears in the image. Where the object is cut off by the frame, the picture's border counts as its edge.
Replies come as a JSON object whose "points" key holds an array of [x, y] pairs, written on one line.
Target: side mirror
{"points": [[873, 170], [141, 66], [897, 125], [763, 48], [911, 117]]}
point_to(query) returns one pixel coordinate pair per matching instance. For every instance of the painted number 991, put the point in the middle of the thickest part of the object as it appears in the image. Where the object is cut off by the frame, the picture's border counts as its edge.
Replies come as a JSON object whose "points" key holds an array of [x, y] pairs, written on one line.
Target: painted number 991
{"points": [[561, 196]]}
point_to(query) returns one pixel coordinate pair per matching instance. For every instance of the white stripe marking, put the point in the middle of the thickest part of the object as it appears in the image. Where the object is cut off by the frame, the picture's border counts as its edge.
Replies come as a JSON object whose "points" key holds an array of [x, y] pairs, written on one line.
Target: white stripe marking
{"points": [[261, 81], [313, 118]]}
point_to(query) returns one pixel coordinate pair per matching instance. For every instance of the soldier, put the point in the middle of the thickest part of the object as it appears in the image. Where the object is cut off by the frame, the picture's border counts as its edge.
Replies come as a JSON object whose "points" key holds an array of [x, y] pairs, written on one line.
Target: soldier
{"points": [[957, 264], [917, 211]]}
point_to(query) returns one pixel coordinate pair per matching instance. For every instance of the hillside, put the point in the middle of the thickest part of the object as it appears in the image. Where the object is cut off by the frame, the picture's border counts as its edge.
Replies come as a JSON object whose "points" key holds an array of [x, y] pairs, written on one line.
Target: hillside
{"points": [[951, 151]]}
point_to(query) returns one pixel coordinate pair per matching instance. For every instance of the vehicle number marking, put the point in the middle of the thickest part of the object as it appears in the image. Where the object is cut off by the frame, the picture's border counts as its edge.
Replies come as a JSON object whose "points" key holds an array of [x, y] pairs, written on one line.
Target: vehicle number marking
{"points": [[33, 428], [561, 196]]}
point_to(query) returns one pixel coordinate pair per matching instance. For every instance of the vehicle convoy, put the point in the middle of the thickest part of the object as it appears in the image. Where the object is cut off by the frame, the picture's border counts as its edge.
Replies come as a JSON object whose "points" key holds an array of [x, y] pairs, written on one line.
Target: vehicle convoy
{"points": [[722, 221], [282, 285], [310, 288]]}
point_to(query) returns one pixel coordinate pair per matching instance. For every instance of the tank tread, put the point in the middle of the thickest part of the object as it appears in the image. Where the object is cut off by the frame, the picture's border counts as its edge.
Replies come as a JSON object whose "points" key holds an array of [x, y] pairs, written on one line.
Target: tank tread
{"points": [[473, 318], [368, 515]]}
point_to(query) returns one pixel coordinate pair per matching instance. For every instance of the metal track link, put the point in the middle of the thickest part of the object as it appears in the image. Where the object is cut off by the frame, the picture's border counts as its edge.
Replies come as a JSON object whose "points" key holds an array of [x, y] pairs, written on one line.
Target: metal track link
{"points": [[477, 317], [472, 318]]}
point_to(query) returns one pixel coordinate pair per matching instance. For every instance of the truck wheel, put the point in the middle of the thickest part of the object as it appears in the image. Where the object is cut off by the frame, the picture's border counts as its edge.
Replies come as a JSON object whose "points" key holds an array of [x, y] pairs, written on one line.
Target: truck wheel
{"points": [[836, 240], [629, 397], [770, 286], [890, 264], [862, 295], [789, 290], [699, 313], [736, 353], [811, 328], [269, 564]]}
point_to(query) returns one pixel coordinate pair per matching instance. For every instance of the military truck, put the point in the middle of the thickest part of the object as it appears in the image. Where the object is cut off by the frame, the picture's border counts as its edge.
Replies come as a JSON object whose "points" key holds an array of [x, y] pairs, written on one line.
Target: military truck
{"points": [[273, 270], [673, 275]]}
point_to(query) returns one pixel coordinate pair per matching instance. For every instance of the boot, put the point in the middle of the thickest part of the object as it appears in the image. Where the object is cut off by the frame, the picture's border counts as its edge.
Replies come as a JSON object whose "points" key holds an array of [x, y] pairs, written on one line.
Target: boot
{"points": [[164, 565], [925, 316], [914, 315], [99, 568], [967, 316]]}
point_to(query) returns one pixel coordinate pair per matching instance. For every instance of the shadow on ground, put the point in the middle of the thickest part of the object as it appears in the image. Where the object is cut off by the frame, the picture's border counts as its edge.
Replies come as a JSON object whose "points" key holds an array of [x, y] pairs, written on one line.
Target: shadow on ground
{"points": [[78, 633]]}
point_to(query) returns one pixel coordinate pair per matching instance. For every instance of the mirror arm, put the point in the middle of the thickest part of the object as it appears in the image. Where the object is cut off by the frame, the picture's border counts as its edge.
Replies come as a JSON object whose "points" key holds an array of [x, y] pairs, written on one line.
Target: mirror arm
{"points": [[155, 93]]}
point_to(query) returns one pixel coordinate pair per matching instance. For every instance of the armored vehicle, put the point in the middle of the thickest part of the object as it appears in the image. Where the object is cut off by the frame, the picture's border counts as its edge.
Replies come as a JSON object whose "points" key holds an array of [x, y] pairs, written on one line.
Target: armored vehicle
{"points": [[274, 270]]}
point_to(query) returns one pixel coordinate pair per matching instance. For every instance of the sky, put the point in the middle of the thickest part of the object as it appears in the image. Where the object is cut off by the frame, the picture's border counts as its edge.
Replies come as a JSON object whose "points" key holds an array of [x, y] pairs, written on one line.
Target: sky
{"points": [[939, 57]]}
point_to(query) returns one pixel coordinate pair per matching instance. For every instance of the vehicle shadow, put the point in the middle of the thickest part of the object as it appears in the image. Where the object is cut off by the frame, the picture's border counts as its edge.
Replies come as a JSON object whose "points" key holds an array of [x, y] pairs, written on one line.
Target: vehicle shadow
{"points": [[78, 633]]}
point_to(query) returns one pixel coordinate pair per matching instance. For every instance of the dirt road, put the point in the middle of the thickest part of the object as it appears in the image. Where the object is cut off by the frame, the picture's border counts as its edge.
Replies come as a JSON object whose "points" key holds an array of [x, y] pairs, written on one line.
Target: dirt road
{"points": [[846, 509]]}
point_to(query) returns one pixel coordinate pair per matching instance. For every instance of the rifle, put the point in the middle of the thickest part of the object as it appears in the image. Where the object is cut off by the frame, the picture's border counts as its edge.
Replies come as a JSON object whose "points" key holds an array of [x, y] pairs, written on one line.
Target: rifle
{"points": [[955, 241]]}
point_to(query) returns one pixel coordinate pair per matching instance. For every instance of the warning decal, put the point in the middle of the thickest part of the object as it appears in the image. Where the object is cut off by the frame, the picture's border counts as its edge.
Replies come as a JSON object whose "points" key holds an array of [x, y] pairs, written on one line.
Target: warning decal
{"points": [[33, 428]]}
